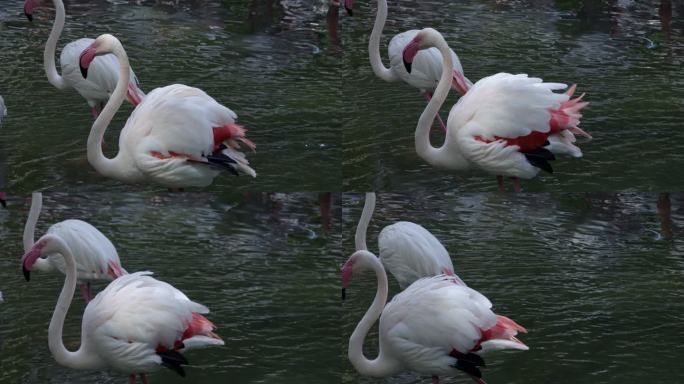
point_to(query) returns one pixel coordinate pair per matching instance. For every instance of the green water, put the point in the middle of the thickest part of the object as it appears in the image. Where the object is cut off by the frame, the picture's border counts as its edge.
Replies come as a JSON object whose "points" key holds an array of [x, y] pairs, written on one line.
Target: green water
{"points": [[596, 277]]}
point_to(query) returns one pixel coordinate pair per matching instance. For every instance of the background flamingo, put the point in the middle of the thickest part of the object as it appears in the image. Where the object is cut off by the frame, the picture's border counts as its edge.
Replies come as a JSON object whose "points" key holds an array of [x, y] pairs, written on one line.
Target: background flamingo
{"points": [[427, 64], [95, 256], [407, 250], [103, 75], [3, 109], [136, 325], [503, 125], [179, 137]]}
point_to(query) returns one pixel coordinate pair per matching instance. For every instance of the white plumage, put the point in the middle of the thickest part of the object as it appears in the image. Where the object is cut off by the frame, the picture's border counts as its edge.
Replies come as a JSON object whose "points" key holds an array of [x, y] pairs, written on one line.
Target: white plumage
{"points": [[95, 256], [136, 325], [178, 137], [409, 252], [434, 327], [3, 109]]}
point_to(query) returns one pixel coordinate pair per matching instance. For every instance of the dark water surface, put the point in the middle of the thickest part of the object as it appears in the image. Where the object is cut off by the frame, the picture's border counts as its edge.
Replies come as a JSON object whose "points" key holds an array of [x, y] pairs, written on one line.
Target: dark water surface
{"points": [[627, 56], [596, 279]]}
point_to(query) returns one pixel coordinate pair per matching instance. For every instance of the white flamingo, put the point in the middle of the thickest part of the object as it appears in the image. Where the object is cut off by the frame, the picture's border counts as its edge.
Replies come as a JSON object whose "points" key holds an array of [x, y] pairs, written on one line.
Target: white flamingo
{"points": [[103, 75], [3, 194], [434, 327], [503, 125], [407, 250], [427, 64], [136, 325], [179, 137], [95, 256], [3, 109]]}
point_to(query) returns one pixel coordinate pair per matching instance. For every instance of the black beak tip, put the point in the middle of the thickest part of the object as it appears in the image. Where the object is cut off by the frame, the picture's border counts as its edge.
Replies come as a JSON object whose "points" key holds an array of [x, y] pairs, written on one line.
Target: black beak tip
{"points": [[27, 273], [3, 203], [407, 65], [350, 11], [28, 16], [84, 71], [344, 293]]}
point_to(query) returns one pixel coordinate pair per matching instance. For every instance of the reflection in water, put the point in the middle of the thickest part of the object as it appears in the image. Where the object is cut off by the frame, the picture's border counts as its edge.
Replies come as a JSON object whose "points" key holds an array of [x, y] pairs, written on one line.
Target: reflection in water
{"points": [[592, 277]]}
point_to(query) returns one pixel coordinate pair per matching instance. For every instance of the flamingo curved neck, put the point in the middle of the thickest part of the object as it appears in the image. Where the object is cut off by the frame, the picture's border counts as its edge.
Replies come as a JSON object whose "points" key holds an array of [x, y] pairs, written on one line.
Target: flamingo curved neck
{"points": [[362, 227], [442, 156], [374, 45], [381, 366], [82, 358], [50, 47], [30, 227], [110, 167]]}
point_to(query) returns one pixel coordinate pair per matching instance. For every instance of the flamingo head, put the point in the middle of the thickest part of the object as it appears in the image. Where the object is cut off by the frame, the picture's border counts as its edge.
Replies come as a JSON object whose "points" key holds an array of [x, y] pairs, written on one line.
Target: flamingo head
{"points": [[348, 6], [357, 263], [104, 44], [30, 258], [28, 9], [423, 40]]}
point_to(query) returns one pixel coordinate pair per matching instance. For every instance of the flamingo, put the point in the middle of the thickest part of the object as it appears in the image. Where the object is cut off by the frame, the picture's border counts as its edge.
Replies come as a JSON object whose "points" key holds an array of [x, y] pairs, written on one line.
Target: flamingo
{"points": [[95, 256], [504, 125], [434, 327], [3, 109], [407, 250], [104, 74], [136, 325], [427, 66], [179, 137]]}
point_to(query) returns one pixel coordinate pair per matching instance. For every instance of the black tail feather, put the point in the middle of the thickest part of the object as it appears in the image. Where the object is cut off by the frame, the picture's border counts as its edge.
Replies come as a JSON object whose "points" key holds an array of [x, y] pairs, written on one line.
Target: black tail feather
{"points": [[173, 360], [220, 160], [470, 363], [540, 157]]}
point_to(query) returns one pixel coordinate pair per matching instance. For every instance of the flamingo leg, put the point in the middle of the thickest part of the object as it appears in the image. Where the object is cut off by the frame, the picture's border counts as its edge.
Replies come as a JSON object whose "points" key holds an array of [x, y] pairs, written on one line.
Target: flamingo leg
{"points": [[435, 379], [85, 291], [499, 183], [516, 184], [143, 378], [131, 378], [428, 96]]}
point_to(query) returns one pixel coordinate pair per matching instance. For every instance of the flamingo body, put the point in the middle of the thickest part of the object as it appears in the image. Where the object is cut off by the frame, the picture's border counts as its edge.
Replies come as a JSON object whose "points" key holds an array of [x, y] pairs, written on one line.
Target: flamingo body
{"points": [[410, 252], [502, 117], [3, 109], [136, 325], [136, 317], [434, 321], [96, 257], [176, 124], [178, 137]]}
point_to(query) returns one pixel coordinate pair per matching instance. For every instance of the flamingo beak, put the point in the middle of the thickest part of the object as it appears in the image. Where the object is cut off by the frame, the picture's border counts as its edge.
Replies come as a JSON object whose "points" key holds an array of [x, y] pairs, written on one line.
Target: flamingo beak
{"points": [[87, 57], [346, 276], [344, 293], [3, 199], [28, 9], [29, 259], [410, 52], [349, 7]]}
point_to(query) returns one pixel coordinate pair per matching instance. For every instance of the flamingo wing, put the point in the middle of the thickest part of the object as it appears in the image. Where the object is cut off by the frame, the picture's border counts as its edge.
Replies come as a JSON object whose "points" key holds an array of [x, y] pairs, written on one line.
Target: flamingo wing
{"points": [[172, 137], [96, 257], [103, 73], [138, 324], [411, 252], [434, 322], [426, 68], [502, 123]]}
